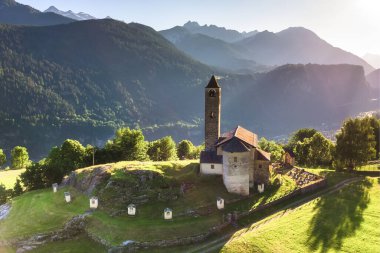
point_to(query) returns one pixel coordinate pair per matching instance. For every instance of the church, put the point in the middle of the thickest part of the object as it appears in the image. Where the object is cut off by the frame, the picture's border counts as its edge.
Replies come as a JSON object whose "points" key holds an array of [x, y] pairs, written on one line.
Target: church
{"points": [[235, 154]]}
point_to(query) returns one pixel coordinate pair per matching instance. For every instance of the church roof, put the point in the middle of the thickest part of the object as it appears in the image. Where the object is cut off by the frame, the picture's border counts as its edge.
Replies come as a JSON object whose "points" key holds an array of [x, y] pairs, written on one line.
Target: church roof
{"points": [[236, 145], [262, 155], [213, 83], [248, 138], [211, 157]]}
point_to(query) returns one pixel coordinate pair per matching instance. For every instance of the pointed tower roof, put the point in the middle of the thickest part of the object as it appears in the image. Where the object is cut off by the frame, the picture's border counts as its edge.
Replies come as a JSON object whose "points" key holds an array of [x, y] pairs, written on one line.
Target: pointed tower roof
{"points": [[213, 83]]}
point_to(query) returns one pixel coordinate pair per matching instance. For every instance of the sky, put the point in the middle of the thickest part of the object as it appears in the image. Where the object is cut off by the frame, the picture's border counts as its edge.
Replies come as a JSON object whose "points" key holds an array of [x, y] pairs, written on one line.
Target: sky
{"points": [[353, 25]]}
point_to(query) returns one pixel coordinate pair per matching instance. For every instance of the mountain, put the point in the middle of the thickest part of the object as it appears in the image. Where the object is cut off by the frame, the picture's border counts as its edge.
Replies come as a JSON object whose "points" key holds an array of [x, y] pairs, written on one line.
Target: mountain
{"points": [[294, 96], [259, 51], [216, 32], [373, 79], [84, 79], [210, 51], [296, 45], [70, 14], [12, 12], [372, 59]]}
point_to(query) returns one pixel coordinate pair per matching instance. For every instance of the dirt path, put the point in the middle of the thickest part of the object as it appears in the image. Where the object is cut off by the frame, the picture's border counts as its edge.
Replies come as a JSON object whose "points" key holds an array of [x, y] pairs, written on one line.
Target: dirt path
{"points": [[215, 245]]}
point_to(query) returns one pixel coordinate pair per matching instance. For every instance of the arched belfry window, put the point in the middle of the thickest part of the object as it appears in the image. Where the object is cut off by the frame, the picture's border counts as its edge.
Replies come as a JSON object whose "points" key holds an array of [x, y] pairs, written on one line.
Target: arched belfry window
{"points": [[212, 115], [212, 93]]}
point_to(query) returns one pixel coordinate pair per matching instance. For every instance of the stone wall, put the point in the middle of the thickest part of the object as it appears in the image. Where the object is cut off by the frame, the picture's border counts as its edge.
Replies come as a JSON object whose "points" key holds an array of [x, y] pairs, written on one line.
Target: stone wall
{"points": [[236, 174], [212, 118], [261, 175]]}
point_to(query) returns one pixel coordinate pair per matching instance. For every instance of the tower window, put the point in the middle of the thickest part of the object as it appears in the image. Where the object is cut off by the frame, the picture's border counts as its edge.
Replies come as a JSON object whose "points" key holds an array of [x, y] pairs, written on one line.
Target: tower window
{"points": [[212, 166], [212, 115], [235, 159], [212, 93]]}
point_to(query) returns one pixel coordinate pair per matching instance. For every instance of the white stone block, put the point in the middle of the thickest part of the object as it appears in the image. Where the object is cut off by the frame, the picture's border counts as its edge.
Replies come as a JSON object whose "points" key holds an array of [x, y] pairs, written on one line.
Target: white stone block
{"points": [[132, 209], [260, 188], [55, 187], [94, 202], [220, 203], [67, 197], [168, 214]]}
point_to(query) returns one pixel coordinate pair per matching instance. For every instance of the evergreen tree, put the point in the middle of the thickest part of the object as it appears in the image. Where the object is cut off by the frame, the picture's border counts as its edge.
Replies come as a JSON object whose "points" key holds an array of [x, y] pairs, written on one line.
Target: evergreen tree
{"points": [[3, 194], [17, 189], [3, 158], [33, 177], [355, 143], [19, 157]]}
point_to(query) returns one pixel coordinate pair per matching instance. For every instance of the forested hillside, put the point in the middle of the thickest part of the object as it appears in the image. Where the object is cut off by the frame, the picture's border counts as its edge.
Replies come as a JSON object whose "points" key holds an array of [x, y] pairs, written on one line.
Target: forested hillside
{"points": [[102, 73], [82, 80]]}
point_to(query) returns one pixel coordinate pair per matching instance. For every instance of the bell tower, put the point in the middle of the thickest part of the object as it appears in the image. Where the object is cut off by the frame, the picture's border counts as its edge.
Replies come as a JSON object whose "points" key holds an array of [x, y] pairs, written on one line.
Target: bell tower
{"points": [[213, 95]]}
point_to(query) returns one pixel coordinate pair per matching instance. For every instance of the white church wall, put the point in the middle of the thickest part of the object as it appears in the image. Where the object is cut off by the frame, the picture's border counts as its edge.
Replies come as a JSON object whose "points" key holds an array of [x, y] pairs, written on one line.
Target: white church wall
{"points": [[212, 168], [236, 167]]}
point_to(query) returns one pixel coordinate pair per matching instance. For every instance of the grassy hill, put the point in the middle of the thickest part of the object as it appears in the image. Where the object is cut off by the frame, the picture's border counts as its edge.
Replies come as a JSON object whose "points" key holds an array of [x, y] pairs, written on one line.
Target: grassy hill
{"points": [[345, 221], [194, 211]]}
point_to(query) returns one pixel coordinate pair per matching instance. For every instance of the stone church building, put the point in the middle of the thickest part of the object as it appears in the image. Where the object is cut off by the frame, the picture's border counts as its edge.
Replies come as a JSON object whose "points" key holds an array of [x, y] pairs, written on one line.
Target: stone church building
{"points": [[234, 155]]}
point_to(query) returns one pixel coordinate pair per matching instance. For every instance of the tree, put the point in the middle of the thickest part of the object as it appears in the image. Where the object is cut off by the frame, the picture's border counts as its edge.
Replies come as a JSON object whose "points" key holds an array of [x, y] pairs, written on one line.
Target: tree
{"points": [[163, 149], [130, 144], [17, 189], [272, 147], [19, 157], [355, 143], [3, 194], [3, 158], [185, 149], [375, 124], [33, 177], [299, 136], [320, 150], [314, 151]]}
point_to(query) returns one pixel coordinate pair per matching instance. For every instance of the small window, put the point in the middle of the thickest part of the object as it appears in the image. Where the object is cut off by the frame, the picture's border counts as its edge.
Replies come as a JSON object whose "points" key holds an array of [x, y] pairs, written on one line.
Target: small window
{"points": [[212, 93], [235, 159], [260, 166], [212, 115], [212, 166]]}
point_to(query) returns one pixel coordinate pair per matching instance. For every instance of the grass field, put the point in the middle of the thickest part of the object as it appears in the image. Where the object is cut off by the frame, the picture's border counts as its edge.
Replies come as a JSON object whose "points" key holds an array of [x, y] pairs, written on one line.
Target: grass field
{"points": [[41, 211], [344, 221], [8, 177], [369, 167]]}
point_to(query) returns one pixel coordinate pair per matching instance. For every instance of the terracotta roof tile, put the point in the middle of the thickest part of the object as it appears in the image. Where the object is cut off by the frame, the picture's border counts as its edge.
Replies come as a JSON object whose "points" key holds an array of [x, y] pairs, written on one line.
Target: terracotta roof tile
{"points": [[262, 155], [242, 134]]}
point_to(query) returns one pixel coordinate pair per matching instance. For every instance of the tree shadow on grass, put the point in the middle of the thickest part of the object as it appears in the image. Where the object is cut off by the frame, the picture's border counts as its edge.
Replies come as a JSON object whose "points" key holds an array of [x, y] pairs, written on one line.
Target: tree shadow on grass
{"points": [[338, 216]]}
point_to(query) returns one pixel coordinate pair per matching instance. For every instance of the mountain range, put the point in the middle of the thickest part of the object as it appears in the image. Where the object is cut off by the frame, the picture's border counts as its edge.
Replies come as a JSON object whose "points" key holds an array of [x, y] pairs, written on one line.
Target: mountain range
{"points": [[12, 12], [255, 50], [70, 14], [84, 79]]}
